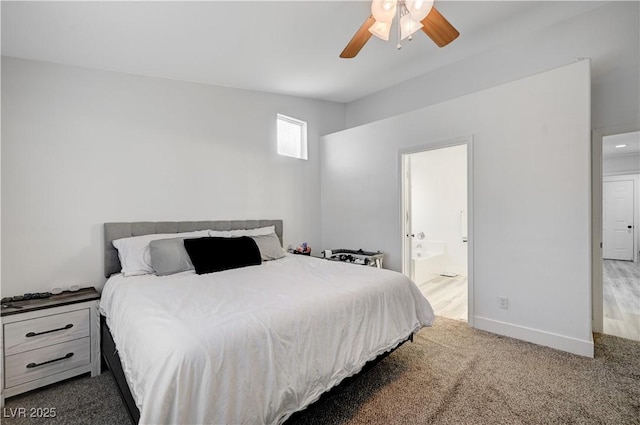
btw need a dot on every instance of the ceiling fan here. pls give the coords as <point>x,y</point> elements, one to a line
<point>413,15</point>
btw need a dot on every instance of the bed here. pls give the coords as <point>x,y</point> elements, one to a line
<point>249,344</point>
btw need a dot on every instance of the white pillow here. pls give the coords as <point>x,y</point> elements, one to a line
<point>259,231</point>
<point>134,255</point>
<point>269,246</point>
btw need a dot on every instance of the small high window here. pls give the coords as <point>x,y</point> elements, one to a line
<point>292,137</point>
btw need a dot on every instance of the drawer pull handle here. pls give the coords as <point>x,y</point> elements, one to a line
<point>30,334</point>
<point>32,365</point>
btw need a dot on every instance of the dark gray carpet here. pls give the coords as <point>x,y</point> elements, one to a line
<point>83,400</point>
<point>450,374</point>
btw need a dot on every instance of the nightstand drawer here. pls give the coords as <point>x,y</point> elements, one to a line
<point>47,330</point>
<point>36,364</point>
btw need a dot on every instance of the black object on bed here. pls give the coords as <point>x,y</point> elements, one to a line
<point>215,254</point>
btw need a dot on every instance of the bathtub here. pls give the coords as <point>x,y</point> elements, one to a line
<point>427,260</point>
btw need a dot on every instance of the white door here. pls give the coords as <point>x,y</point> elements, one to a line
<point>617,235</point>
<point>408,245</point>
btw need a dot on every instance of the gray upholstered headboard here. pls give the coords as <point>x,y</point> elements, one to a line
<point>113,231</point>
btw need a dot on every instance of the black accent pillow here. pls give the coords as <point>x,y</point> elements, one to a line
<point>213,254</point>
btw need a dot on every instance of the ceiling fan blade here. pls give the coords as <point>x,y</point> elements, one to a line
<point>438,28</point>
<point>358,40</point>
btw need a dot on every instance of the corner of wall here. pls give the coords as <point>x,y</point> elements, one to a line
<point>581,347</point>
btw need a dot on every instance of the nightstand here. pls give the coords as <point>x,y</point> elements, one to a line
<point>49,339</point>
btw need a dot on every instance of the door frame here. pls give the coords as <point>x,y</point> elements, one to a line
<point>597,302</point>
<point>403,155</point>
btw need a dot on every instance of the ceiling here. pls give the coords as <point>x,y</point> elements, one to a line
<point>286,47</point>
<point>628,144</point>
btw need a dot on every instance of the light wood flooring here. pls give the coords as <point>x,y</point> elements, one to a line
<point>621,298</point>
<point>447,295</point>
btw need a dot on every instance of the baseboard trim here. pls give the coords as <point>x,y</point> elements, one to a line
<point>548,339</point>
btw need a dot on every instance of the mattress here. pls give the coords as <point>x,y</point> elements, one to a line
<point>255,344</point>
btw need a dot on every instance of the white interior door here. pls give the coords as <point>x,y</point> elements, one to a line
<point>407,228</point>
<point>617,241</point>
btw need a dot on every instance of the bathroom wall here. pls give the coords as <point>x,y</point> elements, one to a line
<point>439,202</point>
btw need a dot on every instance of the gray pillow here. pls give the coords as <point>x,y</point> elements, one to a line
<point>269,246</point>
<point>168,256</point>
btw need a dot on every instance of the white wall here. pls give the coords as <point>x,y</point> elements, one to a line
<point>438,195</point>
<point>83,147</point>
<point>531,198</point>
<point>610,35</point>
<point>621,164</point>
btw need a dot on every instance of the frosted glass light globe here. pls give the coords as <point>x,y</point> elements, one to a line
<point>381,30</point>
<point>383,10</point>
<point>408,26</point>
<point>419,9</point>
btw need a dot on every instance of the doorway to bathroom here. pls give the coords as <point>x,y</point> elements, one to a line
<point>436,210</point>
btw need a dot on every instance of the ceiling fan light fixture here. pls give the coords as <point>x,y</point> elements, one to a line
<point>409,26</point>
<point>384,10</point>
<point>381,30</point>
<point>413,15</point>
<point>419,9</point>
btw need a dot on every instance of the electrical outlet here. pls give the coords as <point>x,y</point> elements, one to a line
<point>504,302</point>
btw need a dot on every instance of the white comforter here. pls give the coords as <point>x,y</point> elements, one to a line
<point>254,345</point>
